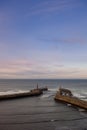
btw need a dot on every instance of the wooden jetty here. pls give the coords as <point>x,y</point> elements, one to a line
<point>66,96</point>
<point>33,92</point>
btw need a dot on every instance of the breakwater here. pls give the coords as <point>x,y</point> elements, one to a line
<point>34,92</point>
<point>64,95</point>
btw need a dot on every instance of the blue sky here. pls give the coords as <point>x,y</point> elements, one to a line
<point>43,39</point>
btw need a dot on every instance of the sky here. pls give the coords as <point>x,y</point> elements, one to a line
<point>43,39</point>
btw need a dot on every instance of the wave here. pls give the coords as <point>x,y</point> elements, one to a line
<point>45,96</point>
<point>76,93</point>
<point>80,95</point>
<point>49,93</point>
<point>53,90</point>
<point>10,92</point>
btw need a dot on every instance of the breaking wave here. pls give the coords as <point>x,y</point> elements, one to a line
<point>10,92</point>
<point>49,93</point>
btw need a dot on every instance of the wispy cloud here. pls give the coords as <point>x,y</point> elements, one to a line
<point>50,6</point>
<point>23,68</point>
<point>15,66</point>
<point>66,40</point>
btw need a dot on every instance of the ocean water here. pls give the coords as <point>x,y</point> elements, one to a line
<point>78,87</point>
<point>42,112</point>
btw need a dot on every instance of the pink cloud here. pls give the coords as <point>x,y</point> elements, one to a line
<point>15,66</point>
<point>23,68</point>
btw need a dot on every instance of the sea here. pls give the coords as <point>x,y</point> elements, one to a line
<point>42,112</point>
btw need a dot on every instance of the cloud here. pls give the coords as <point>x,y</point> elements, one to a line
<point>15,66</point>
<point>71,40</point>
<point>23,68</point>
<point>52,6</point>
<point>66,40</point>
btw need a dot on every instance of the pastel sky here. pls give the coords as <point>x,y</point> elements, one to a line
<point>43,39</point>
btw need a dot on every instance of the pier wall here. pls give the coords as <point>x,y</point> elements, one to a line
<point>34,92</point>
<point>71,100</point>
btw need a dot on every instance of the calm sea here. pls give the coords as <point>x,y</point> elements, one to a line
<point>42,112</point>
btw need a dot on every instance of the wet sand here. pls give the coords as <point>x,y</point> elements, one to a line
<point>38,113</point>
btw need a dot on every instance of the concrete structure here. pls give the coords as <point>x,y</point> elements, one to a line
<point>34,92</point>
<point>65,95</point>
